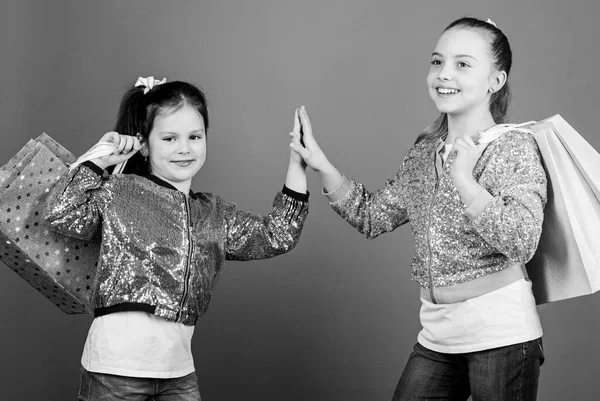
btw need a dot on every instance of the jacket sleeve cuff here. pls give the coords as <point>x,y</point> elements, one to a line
<point>478,204</point>
<point>295,195</point>
<point>340,191</point>
<point>94,167</point>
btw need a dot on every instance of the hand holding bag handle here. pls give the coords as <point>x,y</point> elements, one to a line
<point>99,150</point>
<point>567,261</point>
<point>60,268</point>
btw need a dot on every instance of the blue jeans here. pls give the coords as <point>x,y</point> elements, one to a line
<point>508,373</point>
<point>104,387</point>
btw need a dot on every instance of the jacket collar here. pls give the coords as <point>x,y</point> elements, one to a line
<point>441,142</point>
<point>167,185</point>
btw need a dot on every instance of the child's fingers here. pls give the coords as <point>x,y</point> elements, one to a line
<point>111,136</point>
<point>467,144</point>
<point>296,122</point>
<point>306,120</point>
<point>306,127</point>
<point>130,144</point>
<point>130,153</point>
<point>296,147</point>
<point>136,144</point>
<point>469,141</point>
<point>477,147</point>
<point>121,157</point>
<point>296,137</point>
<point>120,144</point>
<point>459,144</point>
<point>126,140</point>
<point>125,144</point>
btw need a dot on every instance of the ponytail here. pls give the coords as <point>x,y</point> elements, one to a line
<point>131,119</point>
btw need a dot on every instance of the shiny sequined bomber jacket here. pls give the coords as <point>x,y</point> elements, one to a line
<point>162,251</point>
<point>458,245</point>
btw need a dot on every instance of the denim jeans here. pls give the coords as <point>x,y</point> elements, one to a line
<point>508,373</point>
<point>104,387</point>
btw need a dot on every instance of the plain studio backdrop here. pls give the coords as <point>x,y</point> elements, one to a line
<point>337,317</point>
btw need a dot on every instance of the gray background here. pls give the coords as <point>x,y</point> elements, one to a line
<point>336,318</point>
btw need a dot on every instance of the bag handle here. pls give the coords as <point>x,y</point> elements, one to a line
<point>495,132</point>
<point>99,150</point>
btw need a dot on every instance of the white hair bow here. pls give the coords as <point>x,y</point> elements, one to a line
<point>489,21</point>
<point>149,83</point>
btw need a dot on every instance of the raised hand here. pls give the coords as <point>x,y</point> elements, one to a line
<point>296,173</point>
<point>296,136</point>
<point>125,147</point>
<point>310,151</point>
<point>461,171</point>
<point>467,154</point>
<point>307,147</point>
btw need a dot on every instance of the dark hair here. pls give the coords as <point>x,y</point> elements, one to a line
<point>502,56</point>
<point>138,111</point>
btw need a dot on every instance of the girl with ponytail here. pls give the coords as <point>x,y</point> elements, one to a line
<point>476,214</point>
<point>163,246</point>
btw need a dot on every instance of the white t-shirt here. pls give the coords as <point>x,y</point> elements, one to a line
<point>138,344</point>
<point>499,318</point>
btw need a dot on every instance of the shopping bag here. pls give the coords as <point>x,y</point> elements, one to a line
<point>22,157</point>
<point>60,268</point>
<point>567,261</point>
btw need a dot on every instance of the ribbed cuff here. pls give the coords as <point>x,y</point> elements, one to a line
<point>94,167</point>
<point>296,195</point>
<point>478,204</point>
<point>340,191</point>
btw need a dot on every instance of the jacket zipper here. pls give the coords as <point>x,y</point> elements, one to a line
<point>186,276</point>
<point>437,184</point>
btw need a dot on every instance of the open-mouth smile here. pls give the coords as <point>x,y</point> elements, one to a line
<point>446,91</point>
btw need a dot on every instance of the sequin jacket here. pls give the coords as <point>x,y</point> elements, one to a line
<point>453,246</point>
<point>161,252</point>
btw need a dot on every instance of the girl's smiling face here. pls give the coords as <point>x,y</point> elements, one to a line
<point>176,146</point>
<point>462,72</point>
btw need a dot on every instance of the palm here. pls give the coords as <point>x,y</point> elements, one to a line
<point>310,151</point>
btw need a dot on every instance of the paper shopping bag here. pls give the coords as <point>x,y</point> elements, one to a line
<point>567,261</point>
<point>59,267</point>
<point>23,156</point>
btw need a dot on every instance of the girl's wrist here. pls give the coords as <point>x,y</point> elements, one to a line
<point>296,177</point>
<point>323,167</point>
<point>98,162</point>
<point>464,180</point>
<point>297,164</point>
<point>330,177</point>
<point>467,187</point>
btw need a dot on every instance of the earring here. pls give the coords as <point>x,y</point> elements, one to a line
<point>492,90</point>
